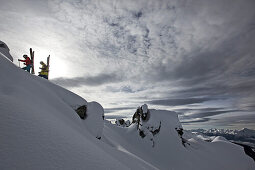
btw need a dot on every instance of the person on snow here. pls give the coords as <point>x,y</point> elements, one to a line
<point>44,70</point>
<point>27,62</point>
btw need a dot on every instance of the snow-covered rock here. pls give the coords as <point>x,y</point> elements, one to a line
<point>144,108</point>
<point>152,121</point>
<point>5,50</point>
<point>94,121</point>
<point>159,140</point>
<point>93,115</point>
<point>122,122</point>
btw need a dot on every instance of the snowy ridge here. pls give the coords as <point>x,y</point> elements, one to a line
<point>39,129</point>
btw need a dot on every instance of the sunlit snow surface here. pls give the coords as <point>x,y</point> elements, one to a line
<point>39,129</point>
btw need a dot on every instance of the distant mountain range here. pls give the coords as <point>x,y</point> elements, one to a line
<point>243,136</point>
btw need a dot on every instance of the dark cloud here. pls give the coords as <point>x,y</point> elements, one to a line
<point>200,120</point>
<point>220,69</point>
<point>196,116</point>
<point>97,80</point>
<point>209,65</point>
<point>201,117</point>
<point>178,102</point>
<point>237,120</point>
<point>199,110</point>
<point>203,90</point>
<point>208,114</point>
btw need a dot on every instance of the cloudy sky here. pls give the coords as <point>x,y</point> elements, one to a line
<point>195,57</point>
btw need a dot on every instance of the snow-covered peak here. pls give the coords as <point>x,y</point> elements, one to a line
<point>245,132</point>
<point>156,125</point>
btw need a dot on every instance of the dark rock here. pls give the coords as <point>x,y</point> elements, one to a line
<point>145,116</point>
<point>156,131</point>
<point>141,133</point>
<point>82,111</point>
<point>136,117</point>
<point>139,115</point>
<point>121,121</point>
<point>180,133</point>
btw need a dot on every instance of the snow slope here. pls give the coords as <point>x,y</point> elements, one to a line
<point>39,129</point>
<point>165,150</point>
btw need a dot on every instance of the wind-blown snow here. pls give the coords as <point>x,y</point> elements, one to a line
<point>39,129</point>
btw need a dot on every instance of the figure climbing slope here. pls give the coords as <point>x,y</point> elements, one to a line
<point>27,62</point>
<point>44,70</point>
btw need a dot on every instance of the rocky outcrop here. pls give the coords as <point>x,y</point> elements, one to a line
<point>150,123</point>
<point>139,118</point>
<point>122,122</point>
<point>93,115</point>
<point>142,113</point>
<point>82,111</point>
<point>180,133</point>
